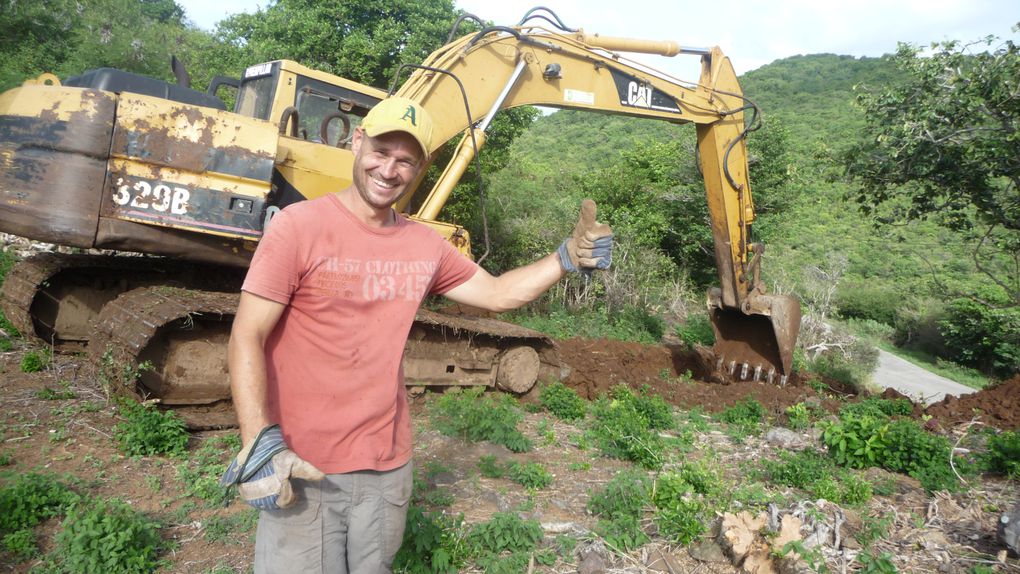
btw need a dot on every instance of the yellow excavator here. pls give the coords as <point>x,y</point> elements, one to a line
<point>177,190</point>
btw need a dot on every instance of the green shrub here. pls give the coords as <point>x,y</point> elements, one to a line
<point>919,454</point>
<point>622,531</point>
<point>627,493</point>
<point>1003,456</point>
<point>877,407</point>
<point>107,536</point>
<point>798,469</point>
<point>982,336</point>
<point>490,466</point>
<point>505,532</point>
<point>654,408</point>
<point>562,401</point>
<point>474,416</point>
<point>32,498</point>
<point>35,361</point>
<point>872,564</point>
<point>434,543</point>
<point>681,520</point>
<point>530,475</point>
<point>859,301</point>
<point>621,430</point>
<point>856,441</point>
<point>21,545</point>
<point>145,430</point>
<point>747,415</point>
<point>696,331</point>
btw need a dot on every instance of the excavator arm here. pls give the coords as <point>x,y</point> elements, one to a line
<point>467,81</point>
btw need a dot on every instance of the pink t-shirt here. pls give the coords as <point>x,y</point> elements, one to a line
<point>335,380</point>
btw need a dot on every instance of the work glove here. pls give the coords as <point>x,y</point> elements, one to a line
<point>590,246</point>
<point>263,469</point>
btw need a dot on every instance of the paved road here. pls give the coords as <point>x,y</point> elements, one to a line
<point>918,384</point>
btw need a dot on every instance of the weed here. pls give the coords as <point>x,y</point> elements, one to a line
<point>877,407</point>
<point>490,466</point>
<point>32,498</point>
<point>856,441</point>
<point>798,469</point>
<point>751,495</point>
<point>154,482</point>
<point>813,557</point>
<point>21,545</point>
<point>35,361</point>
<point>201,471</point>
<point>548,435</point>
<point>798,416</point>
<point>747,415</point>
<point>48,394</point>
<point>565,545</point>
<point>505,532</point>
<point>624,427</point>
<point>582,466</point>
<point>113,376</point>
<point>871,564</point>
<point>562,401</point>
<point>873,527</point>
<point>530,475</point>
<point>619,506</point>
<point>107,536</point>
<point>6,459</point>
<point>225,529</point>
<point>146,431</point>
<point>1003,456</point>
<point>475,417</point>
<point>439,497</point>
<point>681,520</point>
<point>696,331</point>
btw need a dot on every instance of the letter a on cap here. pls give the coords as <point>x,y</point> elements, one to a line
<point>410,113</point>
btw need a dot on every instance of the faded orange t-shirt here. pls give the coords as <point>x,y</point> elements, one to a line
<point>333,362</point>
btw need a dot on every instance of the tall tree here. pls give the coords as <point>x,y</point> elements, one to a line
<point>364,40</point>
<point>943,144</point>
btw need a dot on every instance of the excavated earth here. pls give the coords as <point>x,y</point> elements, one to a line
<point>75,437</point>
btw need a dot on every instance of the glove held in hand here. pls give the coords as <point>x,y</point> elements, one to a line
<point>263,470</point>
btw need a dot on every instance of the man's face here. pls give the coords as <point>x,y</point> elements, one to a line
<point>384,166</point>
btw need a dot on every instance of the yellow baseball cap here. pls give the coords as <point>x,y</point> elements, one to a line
<point>396,114</point>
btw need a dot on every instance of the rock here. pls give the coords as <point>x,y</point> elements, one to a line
<point>707,551</point>
<point>592,559</point>
<point>659,561</point>
<point>1009,529</point>
<point>785,439</point>
<point>737,533</point>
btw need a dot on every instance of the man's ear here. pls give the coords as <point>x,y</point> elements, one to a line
<point>356,139</point>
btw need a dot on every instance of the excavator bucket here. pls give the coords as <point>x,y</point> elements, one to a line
<point>757,346</point>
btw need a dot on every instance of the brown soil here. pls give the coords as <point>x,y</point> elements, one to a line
<point>998,406</point>
<point>76,438</point>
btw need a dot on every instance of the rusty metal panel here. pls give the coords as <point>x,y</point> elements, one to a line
<point>54,144</point>
<point>198,169</point>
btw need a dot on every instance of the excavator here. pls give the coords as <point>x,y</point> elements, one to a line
<point>165,194</point>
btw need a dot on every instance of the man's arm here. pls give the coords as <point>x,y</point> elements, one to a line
<point>511,289</point>
<point>255,319</point>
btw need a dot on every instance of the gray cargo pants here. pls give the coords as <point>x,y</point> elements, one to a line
<point>350,523</point>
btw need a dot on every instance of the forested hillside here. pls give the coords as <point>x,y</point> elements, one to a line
<point>947,285</point>
<point>905,281</point>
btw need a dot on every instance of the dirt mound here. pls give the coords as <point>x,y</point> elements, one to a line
<point>684,378</point>
<point>998,406</point>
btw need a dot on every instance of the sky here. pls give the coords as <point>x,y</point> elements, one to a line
<point>751,32</point>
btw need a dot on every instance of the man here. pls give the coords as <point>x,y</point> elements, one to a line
<point>315,351</point>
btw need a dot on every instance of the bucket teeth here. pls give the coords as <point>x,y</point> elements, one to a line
<point>782,381</point>
<point>757,373</point>
<point>771,376</point>
<point>733,367</point>
<point>743,371</point>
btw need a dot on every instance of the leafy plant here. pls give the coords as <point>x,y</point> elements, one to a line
<point>505,532</point>
<point>873,527</point>
<point>32,498</point>
<point>746,414</point>
<point>1003,456</point>
<point>35,361</point>
<point>619,506</point>
<point>871,564</point>
<point>201,470</point>
<point>562,401</point>
<point>530,475</point>
<point>473,416</point>
<point>621,431</point>
<point>681,520</point>
<point>798,416</point>
<point>231,529</point>
<point>877,408</point>
<point>108,536</point>
<point>48,394</point>
<point>490,466</point>
<point>21,544</point>
<point>696,331</point>
<point>856,441</point>
<point>145,430</point>
<point>434,543</point>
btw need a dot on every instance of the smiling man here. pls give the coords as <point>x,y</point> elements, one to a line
<point>316,347</point>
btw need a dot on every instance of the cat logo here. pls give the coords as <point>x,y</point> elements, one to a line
<point>639,96</point>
